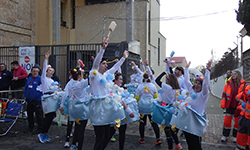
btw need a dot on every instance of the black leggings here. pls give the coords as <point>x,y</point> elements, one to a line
<point>143,122</point>
<point>193,141</point>
<point>69,129</point>
<point>169,134</point>
<point>47,122</point>
<point>122,131</point>
<point>102,136</point>
<point>79,133</point>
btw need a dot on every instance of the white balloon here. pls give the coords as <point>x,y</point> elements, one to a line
<point>189,99</point>
<point>107,100</point>
<point>107,85</point>
<point>184,93</point>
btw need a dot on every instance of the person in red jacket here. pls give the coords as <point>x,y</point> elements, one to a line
<point>230,103</point>
<point>19,79</point>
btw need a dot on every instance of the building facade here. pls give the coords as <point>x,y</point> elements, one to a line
<point>32,22</point>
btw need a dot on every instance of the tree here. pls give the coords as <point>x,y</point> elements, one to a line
<point>243,14</point>
<point>201,68</point>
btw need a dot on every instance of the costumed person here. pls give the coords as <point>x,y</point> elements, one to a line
<point>179,72</point>
<point>168,97</point>
<point>191,111</point>
<point>104,107</point>
<point>142,65</point>
<point>230,103</point>
<point>135,79</point>
<point>65,103</point>
<point>150,72</point>
<point>48,87</point>
<point>78,105</point>
<point>145,94</point>
<point>136,76</point>
<point>129,112</point>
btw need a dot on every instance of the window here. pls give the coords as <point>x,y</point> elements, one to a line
<point>92,2</point>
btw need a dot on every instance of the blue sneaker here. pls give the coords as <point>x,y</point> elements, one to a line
<point>47,138</point>
<point>41,138</point>
<point>73,147</point>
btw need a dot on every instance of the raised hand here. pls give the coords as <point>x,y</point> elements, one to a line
<point>116,60</point>
<point>47,54</point>
<point>187,66</point>
<point>93,58</point>
<point>209,64</point>
<point>133,63</point>
<point>146,62</point>
<point>105,42</point>
<point>125,54</point>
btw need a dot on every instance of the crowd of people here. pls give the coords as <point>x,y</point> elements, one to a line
<point>177,105</point>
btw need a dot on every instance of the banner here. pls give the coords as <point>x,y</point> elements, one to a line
<point>27,57</point>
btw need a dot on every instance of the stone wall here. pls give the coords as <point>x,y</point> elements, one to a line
<point>17,24</point>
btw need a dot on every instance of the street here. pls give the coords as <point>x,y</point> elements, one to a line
<point>27,141</point>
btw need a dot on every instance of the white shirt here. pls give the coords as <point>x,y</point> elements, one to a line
<point>182,83</point>
<point>199,104</point>
<point>96,88</point>
<point>75,90</point>
<point>146,90</point>
<point>168,95</point>
<point>46,82</point>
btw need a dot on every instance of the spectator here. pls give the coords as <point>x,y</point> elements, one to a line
<point>33,98</point>
<point>5,79</point>
<point>19,79</point>
<point>229,74</point>
<point>229,102</point>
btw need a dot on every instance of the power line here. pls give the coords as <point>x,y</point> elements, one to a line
<point>171,18</point>
<point>94,37</point>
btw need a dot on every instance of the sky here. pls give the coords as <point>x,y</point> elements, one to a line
<point>195,37</point>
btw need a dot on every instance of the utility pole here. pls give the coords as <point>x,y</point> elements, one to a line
<point>56,21</point>
<point>56,25</point>
<point>129,20</point>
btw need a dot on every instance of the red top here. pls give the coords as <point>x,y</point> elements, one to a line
<point>20,72</point>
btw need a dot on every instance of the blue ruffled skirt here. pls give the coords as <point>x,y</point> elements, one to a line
<point>51,103</point>
<point>145,105</point>
<point>105,110</point>
<point>78,109</point>
<point>162,114</point>
<point>190,121</point>
<point>132,104</point>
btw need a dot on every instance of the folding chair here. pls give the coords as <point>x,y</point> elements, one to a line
<point>11,115</point>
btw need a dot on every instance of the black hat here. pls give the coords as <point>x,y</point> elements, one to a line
<point>180,69</point>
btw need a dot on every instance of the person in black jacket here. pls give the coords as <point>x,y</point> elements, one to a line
<point>5,79</point>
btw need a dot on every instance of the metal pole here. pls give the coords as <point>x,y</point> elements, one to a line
<point>56,21</point>
<point>129,20</point>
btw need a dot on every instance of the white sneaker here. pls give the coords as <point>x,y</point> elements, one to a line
<point>66,145</point>
<point>234,139</point>
<point>223,139</point>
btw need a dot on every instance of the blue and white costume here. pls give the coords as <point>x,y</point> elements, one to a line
<point>163,114</point>
<point>50,102</point>
<point>78,99</point>
<point>104,107</point>
<point>146,92</point>
<point>192,119</point>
